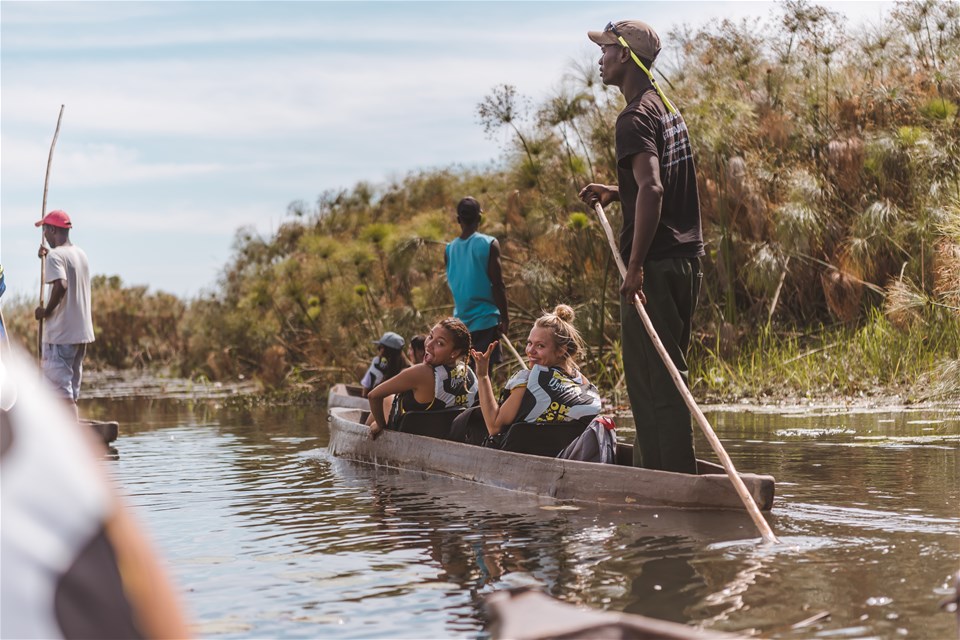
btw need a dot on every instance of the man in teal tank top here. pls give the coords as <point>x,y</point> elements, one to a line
<point>475,278</point>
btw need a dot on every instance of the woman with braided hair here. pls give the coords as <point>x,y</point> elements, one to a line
<point>442,381</point>
<point>553,390</point>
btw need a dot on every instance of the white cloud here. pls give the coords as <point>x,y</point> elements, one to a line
<point>90,165</point>
<point>51,14</point>
<point>112,26</point>
<point>266,96</point>
<point>177,215</point>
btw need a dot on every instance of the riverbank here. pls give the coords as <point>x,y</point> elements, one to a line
<point>106,385</point>
<point>885,361</point>
<point>880,361</point>
<point>135,383</point>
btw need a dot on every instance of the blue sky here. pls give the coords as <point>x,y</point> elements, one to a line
<point>187,120</point>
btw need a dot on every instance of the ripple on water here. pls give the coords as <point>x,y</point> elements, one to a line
<point>824,432</point>
<point>853,518</point>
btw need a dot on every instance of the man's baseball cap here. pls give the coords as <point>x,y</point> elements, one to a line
<point>641,37</point>
<point>391,340</point>
<point>56,218</point>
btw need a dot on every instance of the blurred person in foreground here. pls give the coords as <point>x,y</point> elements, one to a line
<point>3,287</point>
<point>75,564</point>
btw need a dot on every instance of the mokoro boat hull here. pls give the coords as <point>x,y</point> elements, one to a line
<point>585,482</point>
<point>527,614</point>
<point>105,431</point>
<point>343,395</point>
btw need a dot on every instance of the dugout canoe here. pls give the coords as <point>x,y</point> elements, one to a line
<point>347,395</point>
<point>526,613</point>
<point>105,431</point>
<point>569,480</point>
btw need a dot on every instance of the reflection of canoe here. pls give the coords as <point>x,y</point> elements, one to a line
<point>105,431</point>
<point>346,395</point>
<point>526,614</point>
<point>618,485</point>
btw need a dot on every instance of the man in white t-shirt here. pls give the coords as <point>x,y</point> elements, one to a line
<point>69,323</point>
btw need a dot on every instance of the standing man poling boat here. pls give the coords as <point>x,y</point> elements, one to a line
<point>475,278</point>
<point>661,241</point>
<point>69,320</point>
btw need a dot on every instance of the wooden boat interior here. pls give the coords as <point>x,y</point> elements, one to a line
<point>433,424</point>
<point>470,429</point>
<point>354,390</point>
<point>539,439</point>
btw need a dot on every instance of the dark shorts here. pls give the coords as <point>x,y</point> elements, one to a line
<point>482,339</point>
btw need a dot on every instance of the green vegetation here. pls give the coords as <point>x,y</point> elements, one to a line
<point>829,169</point>
<point>867,360</point>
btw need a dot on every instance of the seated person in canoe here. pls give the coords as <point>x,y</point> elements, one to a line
<point>552,390</point>
<point>442,381</point>
<point>416,348</point>
<point>388,362</point>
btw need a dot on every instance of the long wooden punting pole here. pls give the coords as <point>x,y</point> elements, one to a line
<point>509,345</point>
<point>43,213</point>
<point>765,531</point>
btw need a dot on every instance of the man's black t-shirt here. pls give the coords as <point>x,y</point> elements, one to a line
<point>646,126</point>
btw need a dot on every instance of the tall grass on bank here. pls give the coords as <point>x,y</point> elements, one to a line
<point>914,357</point>
<point>917,363</point>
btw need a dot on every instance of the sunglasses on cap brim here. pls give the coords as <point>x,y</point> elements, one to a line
<point>612,28</point>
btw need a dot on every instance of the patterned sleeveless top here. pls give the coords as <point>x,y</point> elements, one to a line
<point>452,387</point>
<point>552,395</point>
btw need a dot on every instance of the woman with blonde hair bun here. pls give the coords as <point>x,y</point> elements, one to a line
<point>553,390</point>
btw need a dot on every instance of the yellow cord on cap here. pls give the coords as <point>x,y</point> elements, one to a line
<point>656,86</point>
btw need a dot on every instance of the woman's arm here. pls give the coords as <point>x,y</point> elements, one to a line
<point>507,413</point>
<point>488,403</point>
<point>495,417</point>
<point>416,378</point>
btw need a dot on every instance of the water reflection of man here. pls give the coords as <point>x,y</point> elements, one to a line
<point>483,548</point>
<point>667,585</point>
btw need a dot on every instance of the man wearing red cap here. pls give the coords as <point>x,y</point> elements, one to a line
<point>68,327</point>
<point>661,241</point>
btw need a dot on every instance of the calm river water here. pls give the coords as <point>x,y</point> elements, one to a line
<point>268,536</point>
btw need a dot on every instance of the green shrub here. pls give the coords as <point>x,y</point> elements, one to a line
<point>939,109</point>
